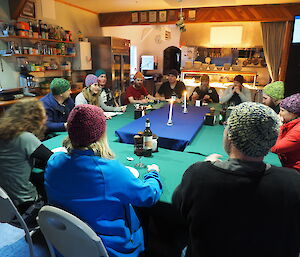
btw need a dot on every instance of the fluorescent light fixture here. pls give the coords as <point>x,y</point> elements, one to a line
<point>226,35</point>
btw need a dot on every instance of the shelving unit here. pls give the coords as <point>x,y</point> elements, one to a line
<point>35,39</point>
<point>220,79</point>
<point>37,55</point>
<point>30,42</point>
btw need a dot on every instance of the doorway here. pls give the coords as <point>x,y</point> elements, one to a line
<point>172,59</point>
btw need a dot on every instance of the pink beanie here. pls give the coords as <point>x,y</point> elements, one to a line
<point>90,80</point>
<point>86,124</point>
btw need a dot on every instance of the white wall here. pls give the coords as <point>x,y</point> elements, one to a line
<point>69,18</point>
<point>143,37</point>
<point>198,34</point>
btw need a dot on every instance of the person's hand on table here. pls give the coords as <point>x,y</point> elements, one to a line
<point>153,167</point>
<point>206,97</point>
<point>107,118</point>
<point>66,124</point>
<point>213,157</point>
<point>123,108</point>
<point>143,101</point>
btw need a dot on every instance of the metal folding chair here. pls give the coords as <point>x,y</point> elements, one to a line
<point>68,234</point>
<point>8,212</point>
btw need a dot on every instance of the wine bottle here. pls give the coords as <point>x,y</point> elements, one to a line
<point>147,139</point>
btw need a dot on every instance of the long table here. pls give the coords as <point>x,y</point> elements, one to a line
<point>172,163</point>
<point>176,137</point>
<point>209,140</point>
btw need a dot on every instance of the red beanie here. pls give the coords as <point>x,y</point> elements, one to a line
<point>86,124</point>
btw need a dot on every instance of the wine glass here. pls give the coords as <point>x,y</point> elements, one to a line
<point>139,151</point>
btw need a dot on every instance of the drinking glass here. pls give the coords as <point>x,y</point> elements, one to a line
<point>139,151</point>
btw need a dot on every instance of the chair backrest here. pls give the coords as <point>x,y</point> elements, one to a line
<point>8,212</point>
<point>68,234</point>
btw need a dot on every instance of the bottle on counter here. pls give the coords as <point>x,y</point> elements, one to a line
<point>46,31</point>
<point>39,28</point>
<point>147,139</point>
<point>30,33</point>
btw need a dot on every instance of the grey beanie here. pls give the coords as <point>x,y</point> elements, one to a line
<point>253,128</point>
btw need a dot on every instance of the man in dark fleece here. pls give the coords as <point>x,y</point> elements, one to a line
<point>242,207</point>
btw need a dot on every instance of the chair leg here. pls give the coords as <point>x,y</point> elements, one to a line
<point>27,234</point>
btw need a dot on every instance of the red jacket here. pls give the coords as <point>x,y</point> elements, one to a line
<point>288,144</point>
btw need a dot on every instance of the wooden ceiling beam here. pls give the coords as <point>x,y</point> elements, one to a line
<point>262,13</point>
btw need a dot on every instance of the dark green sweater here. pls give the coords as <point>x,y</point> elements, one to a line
<point>240,210</point>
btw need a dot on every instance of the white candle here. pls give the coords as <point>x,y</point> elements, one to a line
<point>171,110</point>
<point>184,95</point>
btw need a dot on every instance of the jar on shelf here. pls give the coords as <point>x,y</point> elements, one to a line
<point>53,64</point>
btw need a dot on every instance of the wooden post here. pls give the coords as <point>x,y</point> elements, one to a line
<point>16,8</point>
<point>285,50</point>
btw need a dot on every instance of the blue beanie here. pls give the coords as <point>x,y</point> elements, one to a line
<point>99,72</point>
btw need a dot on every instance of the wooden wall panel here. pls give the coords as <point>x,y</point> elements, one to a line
<point>264,13</point>
<point>16,7</point>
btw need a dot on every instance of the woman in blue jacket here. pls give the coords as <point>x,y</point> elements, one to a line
<point>87,182</point>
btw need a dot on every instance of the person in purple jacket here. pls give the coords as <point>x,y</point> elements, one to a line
<point>58,105</point>
<point>89,183</point>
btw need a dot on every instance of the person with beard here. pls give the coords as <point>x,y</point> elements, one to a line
<point>172,87</point>
<point>288,143</point>
<point>58,105</point>
<point>137,93</point>
<point>106,100</point>
<point>20,151</point>
<point>237,93</point>
<point>242,206</point>
<point>205,93</point>
<point>273,93</point>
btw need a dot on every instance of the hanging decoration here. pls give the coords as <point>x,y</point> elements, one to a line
<point>180,23</point>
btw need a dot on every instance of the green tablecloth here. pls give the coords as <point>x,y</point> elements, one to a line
<point>209,140</point>
<point>172,163</point>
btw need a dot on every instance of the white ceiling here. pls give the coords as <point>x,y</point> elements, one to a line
<point>102,6</point>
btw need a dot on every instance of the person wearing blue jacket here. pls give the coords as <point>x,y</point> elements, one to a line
<point>58,105</point>
<point>90,184</point>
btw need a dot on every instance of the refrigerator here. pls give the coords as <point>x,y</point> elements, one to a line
<point>112,55</point>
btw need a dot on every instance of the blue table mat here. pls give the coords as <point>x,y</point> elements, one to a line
<point>176,137</point>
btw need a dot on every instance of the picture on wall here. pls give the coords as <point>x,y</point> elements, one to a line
<point>29,10</point>
<point>162,16</point>
<point>172,15</point>
<point>192,15</point>
<point>134,17</point>
<point>152,16</point>
<point>143,17</point>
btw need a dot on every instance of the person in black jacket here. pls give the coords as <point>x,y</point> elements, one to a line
<point>171,88</point>
<point>242,207</point>
<point>205,93</point>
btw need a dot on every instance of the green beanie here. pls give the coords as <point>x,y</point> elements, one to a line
<point>59,86</point>
<point>275,90</point>
<point>99,72</point>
